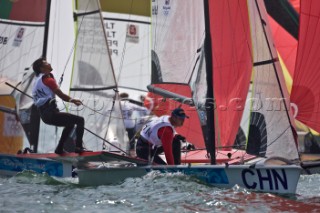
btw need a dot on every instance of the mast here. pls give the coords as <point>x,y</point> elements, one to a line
<point>210,135</point>
<point>35,116</point>
<point>46,29</point>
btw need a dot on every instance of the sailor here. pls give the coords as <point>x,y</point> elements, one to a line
<point>44,91</point>
<point>130,122</point>
<point>158,136</point>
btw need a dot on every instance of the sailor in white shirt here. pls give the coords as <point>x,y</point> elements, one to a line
<point>132,113</point>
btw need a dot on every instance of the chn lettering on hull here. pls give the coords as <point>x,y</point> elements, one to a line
<point>261,179</point>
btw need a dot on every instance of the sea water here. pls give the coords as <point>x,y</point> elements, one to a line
<point>31,192</point>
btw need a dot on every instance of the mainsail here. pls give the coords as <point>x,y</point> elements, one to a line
<point>22,38</point>
<point>128,28</point>
<point>93,80</point>
<point>271,99</point>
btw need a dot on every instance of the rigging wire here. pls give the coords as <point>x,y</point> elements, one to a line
<point>80,26</point>
<point>71,51</point>
<point>106,141</point>
<point>124,47</point>
<point>73,46</point>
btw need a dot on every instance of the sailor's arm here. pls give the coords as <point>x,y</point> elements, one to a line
<point>166,135</point>
<point>66,97</point>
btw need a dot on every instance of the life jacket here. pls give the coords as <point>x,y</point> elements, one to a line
<point>150,131</point>
<point>40,92</point>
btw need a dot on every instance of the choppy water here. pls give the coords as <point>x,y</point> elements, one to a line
<point>29,192</point>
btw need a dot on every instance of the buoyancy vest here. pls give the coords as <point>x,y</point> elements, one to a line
<point>40,92</point>
<point>150,130</point>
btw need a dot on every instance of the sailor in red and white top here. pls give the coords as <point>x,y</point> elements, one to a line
<point>44,91</point>
<point>159,135</point>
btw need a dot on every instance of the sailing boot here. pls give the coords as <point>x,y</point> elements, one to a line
<point>59,150</point>
<point>80,149</point>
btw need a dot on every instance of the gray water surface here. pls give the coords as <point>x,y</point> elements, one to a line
<point>30,192</point>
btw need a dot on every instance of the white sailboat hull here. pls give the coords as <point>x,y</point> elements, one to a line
<point>264,178</point>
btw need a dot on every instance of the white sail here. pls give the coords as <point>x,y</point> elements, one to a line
<point>177,35</point>
<point>129,44</point>
<point>93,80</point>
<point>270,115</point>
<point>21,41</point>
<point>177,41</point>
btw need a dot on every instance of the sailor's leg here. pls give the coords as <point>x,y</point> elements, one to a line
<point>68,121</point>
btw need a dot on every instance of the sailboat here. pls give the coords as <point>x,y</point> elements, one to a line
<point>204,51</point>
<point>25,37</point>
<point>230,77</point>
